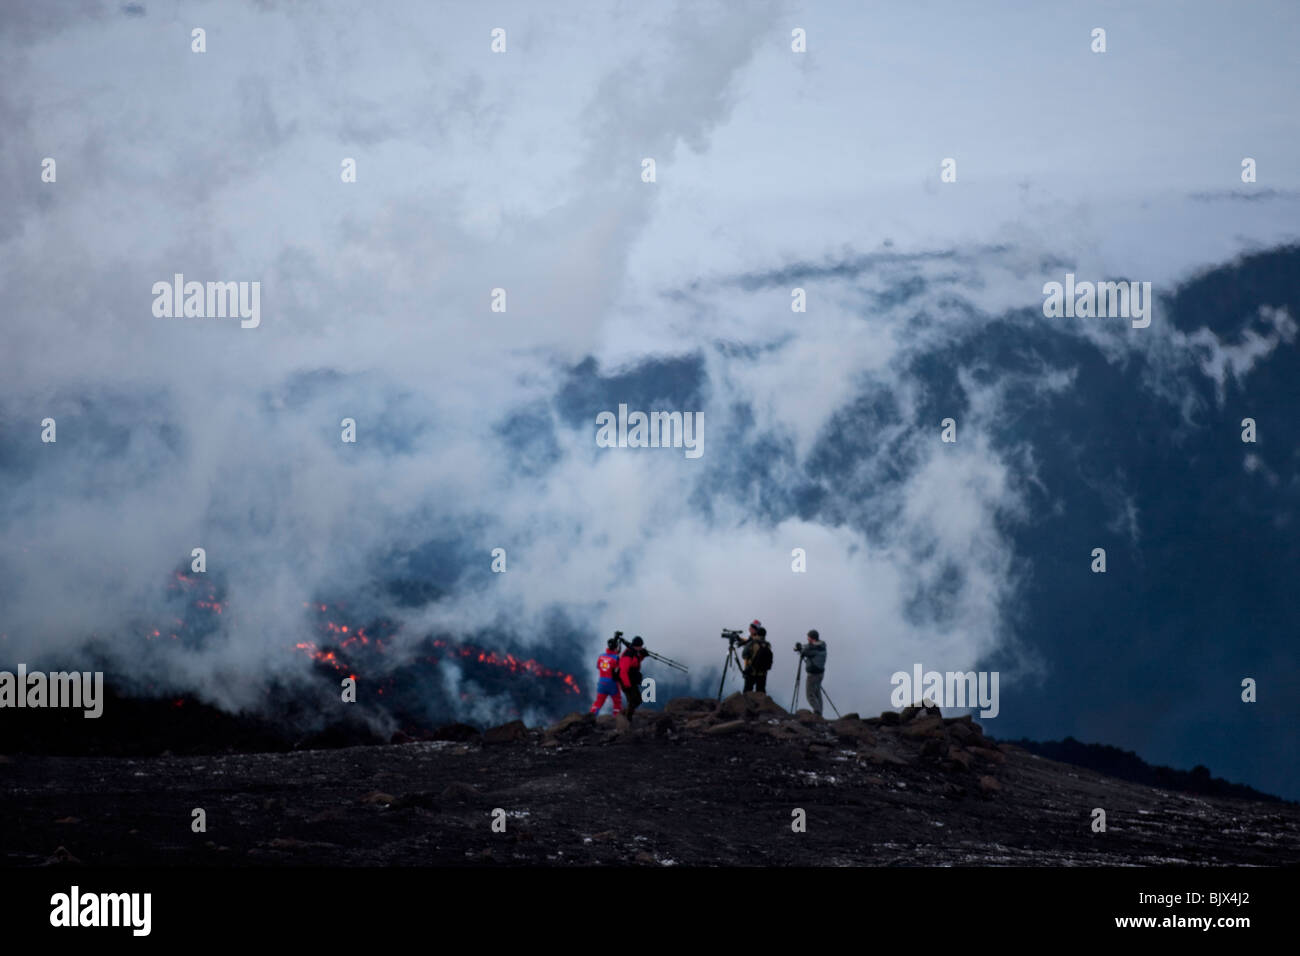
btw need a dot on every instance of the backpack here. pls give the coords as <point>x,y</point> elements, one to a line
<point>763,658</point>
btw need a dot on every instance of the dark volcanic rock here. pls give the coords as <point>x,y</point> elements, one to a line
<point>421,799</point>
<point>932,747</point>
<point>728,727</point>
<point>682,705</point>
<point>458,732</point>
<point>789,730</point>
<point>459,792</point>
<point>851,728</point>
<point>987,753</point>
<point>925,727</point>
<point>959,759</point>
<point>574,725</point>
<point>663,725</point>
<point>61,857</point>
<point>338,735</point>
<point>749,705</point>
<point>673,792</point>
<point>1126,765</point>
<point>510,733</point>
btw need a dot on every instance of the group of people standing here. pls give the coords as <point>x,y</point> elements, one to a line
<point>619,674</point>
<point>757,659</point>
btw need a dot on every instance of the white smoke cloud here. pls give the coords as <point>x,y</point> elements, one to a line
<point>477,171</point>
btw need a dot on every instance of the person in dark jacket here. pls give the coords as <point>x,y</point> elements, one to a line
<point>744,642</point>
<point>814,657</point>
<point>757,656</point>
<point>630,673</point>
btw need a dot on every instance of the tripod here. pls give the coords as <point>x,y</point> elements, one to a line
<point>653,656</point>
<point>797,672</point>
<point>731,659</point>
<point>831,702</point>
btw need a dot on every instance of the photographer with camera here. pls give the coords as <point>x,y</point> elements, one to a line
<point>757,656</point>
<point>630,672</point>
<point>814,655</point>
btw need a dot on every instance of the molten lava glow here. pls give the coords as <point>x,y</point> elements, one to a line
<point>511,663</point>
<point>351,637</point>
<point>338,639</point>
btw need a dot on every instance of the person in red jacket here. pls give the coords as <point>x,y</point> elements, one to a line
<point>607,678</point>
<point>629,673</point>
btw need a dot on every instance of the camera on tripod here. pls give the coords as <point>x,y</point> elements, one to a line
<point>731,636</point>
<point>798,648</point>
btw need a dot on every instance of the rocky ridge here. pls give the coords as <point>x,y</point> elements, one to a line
<point>696,783</point>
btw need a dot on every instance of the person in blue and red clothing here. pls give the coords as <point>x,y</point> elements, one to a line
<point>607,678</point>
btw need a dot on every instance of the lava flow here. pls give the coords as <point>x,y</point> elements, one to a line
<point>434,678</point>
<point>348,643</point>
<point>348,649</point>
